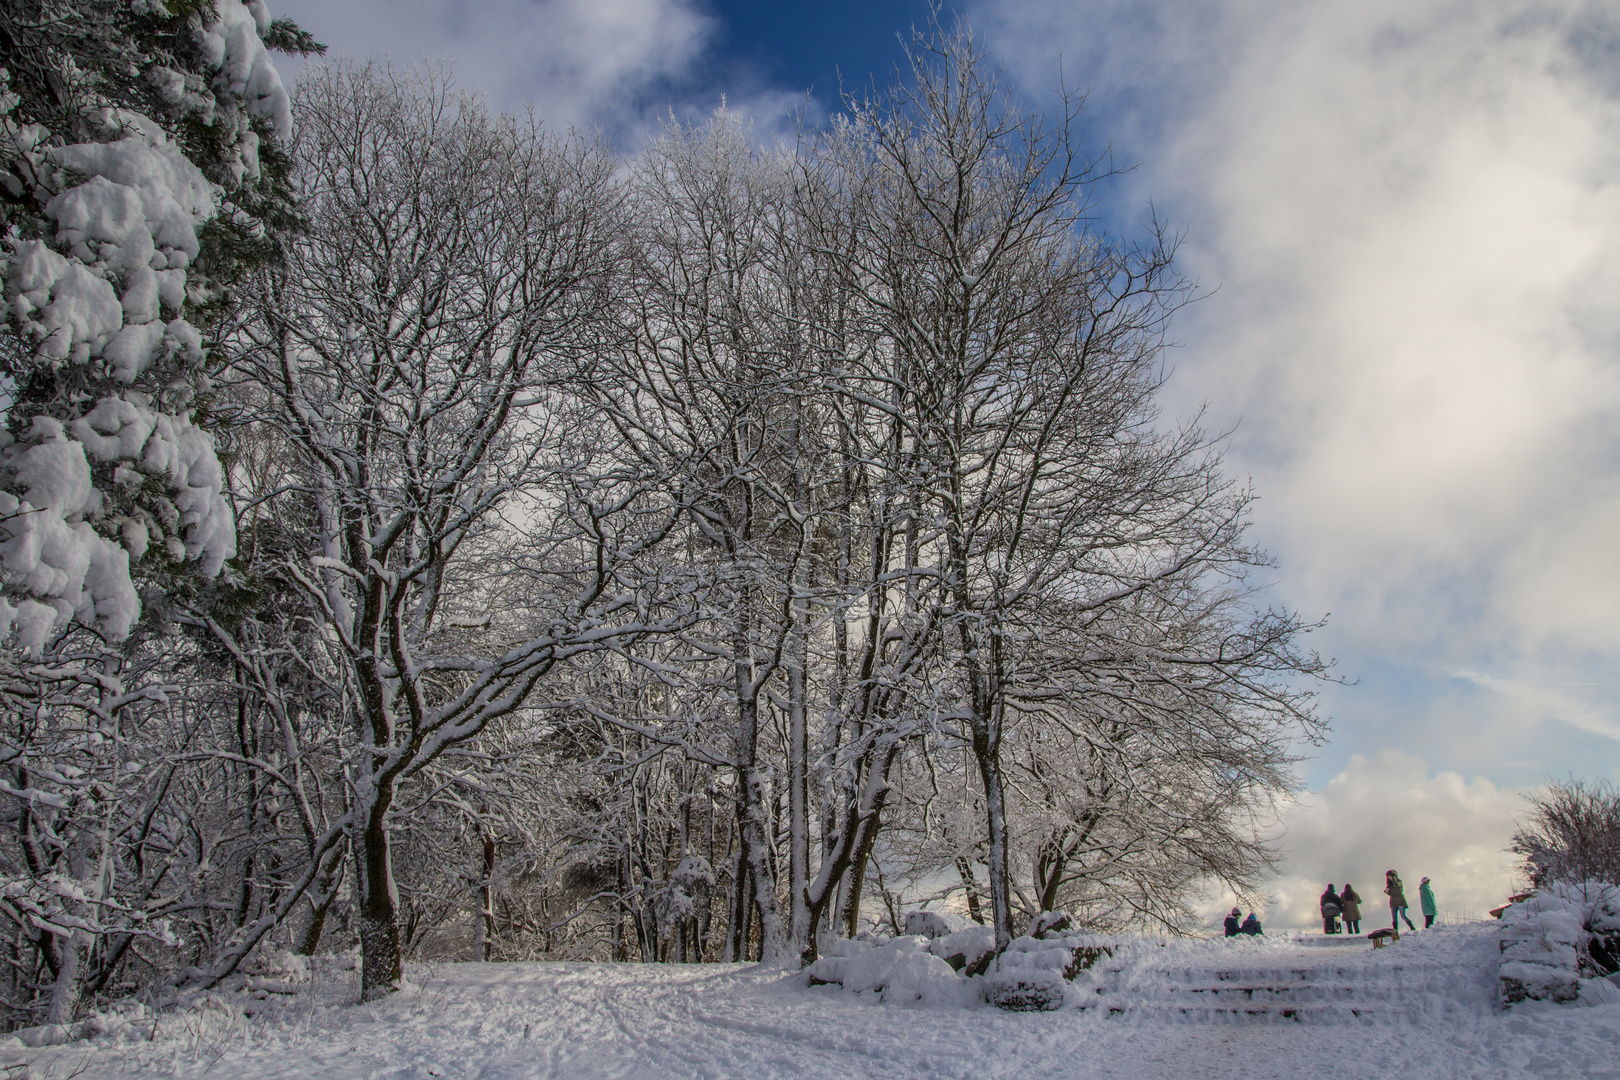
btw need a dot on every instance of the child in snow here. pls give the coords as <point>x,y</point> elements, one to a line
<point>1232,923</point>
<point>1426,901</point>
<point>1352,909</point>
<point>1397,901</point>
<point>1331,907</point>
<point>1251,926</point>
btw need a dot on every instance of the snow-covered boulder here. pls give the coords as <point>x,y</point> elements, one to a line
<point>1050,924</point>
<point>1032,975</point>
<point>934,924</point>
<point>1558,941</point>
<point>961,967</point>
<point>969,950</point>
<point>901,969</point>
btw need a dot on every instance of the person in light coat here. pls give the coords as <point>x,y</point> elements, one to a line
<point>1426,902</point>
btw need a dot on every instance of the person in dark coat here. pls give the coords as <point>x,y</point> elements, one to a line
<point>1251,926</point>
<point>1232,926</point>
<point>1331,906</point>
<point>1397,901</point>
<point>1351,903</point>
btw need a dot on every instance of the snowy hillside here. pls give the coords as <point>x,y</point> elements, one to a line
<point>1275,1007</point>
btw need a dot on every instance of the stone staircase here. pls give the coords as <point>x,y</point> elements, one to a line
<point>1311,986</point>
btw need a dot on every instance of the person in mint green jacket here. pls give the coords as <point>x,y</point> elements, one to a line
<point>1426,900</point>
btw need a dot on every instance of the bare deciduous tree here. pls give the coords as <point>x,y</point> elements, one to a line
<point>416,346</point>
<point>1573,834</point>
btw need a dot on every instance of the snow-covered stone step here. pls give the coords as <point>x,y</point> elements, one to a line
<point>1289,974</point>
<point>1371,995</point>
<point>1255,1013</point>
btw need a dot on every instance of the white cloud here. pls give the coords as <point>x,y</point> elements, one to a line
<point>1533,698</point>
<point>575,61</point>
<point>1390,813</point>
<point>1412,211</point>
<point>1437,206</point>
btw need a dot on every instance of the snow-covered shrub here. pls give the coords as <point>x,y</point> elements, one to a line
<point>268,962</point>
<point>1557,940</point>
<point>130,150</point>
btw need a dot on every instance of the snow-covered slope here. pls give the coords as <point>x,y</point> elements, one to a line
<point>1430,1012</point>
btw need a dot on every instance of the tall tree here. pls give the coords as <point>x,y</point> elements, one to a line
<point>1020,351</point>
<point>415,347</point>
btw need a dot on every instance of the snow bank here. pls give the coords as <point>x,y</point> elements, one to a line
<point>1561,944</point>
<point>1437,1018</point>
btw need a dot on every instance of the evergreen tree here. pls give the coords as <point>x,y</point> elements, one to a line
<point>140,175</point>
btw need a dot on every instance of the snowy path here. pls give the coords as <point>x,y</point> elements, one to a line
<point>542,1021</point>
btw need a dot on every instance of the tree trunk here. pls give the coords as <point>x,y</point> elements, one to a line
<point>971,888</point>
<point>320,904</point>
<point>737,910</point>
<point>65,990</point>
<point>753,833</point>
<point>381,965</point>
<point>798,787</point>
<point>987,752</point>
<point>486,893</point>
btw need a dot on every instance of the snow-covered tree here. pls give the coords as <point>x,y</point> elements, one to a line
<point>137,158</point>
<point>139,176</point>
<point>472,531</point>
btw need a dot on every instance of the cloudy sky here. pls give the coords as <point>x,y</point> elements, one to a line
<point>1406,215</point>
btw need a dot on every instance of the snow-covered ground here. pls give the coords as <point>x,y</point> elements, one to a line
<point>1275,1007</point>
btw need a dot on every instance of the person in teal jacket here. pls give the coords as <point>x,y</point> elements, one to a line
<point>1426,900</point>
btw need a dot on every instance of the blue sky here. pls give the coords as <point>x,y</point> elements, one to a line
<point>1408,214</point>
<point>809,46</point>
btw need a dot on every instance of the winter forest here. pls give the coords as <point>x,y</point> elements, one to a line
<point>430,532</point>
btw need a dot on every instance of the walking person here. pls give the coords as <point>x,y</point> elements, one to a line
<point>1426,902</point>
<point>1331,906</point>
<point>1352,909</point>
<point>1232,924</point>
<point>1251,926</point>
<point>1397,901</point>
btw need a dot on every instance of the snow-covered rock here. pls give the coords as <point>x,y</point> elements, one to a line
<point>1558,941</point>
<point>902,969</point>
<point>962,966</point>
<point>934,924</point>
<point>968,951</point>
<point>1034,972</point>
